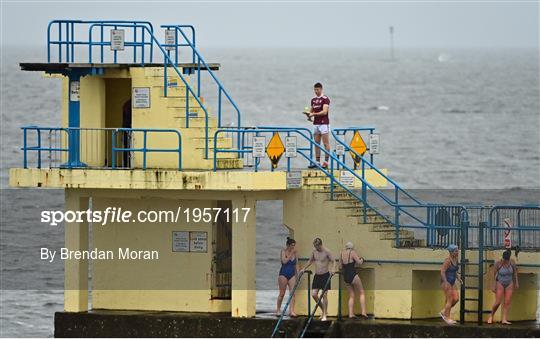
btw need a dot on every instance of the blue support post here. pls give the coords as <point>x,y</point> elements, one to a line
<point>364,191</point>
<point>396,216</point>
<point>74,124</point>
<point>25,146</point>
<point>113,148</point>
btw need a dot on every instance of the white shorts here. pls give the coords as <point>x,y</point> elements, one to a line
<point>321,129</point>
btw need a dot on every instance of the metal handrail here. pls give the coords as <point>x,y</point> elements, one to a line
<point>291,295</point>
<point>70,41</point>
<point>221,88</point>
<point>68,130</point>
<point>145,27</point>
<point>312,314</point>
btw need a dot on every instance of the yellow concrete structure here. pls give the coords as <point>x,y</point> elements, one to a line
<point>400,283</point>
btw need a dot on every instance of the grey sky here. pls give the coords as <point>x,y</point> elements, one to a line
<point>275,24</point>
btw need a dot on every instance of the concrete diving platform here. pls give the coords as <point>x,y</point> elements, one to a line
<point>99,323</point>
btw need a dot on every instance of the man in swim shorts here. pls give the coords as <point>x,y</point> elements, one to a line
<point>324,270</point>
<point>320,105</point>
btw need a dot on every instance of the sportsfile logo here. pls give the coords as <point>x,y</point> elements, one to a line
<point>120,215</point>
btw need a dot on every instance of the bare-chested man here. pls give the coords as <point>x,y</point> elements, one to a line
<point>324,269</point>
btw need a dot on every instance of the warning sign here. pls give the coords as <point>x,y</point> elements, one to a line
<point>141,97</point>
<point>117,39</point>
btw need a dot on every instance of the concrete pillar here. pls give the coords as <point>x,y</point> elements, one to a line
<point>76,271</point>
<point>243,259</point>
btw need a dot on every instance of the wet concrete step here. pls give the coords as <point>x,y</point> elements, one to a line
<point>410,243</point>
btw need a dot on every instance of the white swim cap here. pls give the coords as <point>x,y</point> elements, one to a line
<point>349,245</point>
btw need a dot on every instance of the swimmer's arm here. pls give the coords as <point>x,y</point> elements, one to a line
<point>444,267</point>
<point>516,281</point>
<point>332,260</point>
<point>494,280</point>
<point>284,258</point>
<point>357,258</point>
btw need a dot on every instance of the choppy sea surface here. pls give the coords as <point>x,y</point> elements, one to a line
<point>469,120</point>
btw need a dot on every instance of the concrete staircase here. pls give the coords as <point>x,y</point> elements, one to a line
<point>343,200</point>
<point>172,114</point>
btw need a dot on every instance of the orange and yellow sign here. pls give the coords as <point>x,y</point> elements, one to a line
<point>359,146</point>
<point>275,149</point>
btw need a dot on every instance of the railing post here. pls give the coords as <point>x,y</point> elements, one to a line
<point>113,149</point>
<point>396,215</point>
<point>309,292</point>
<point>144,148</point>
<point>331,178</point>
<point>364,191</point>
<point>219,108</point>
<point>339,296</point>
<point>165,82</point>
<point>187,107</point>
<point>25,146</point>
<point>480,310</point>
<point>101,44</point>
<point>39,147</point>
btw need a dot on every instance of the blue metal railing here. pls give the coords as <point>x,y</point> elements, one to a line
<point>67,43</point>
<point>199,60</point>
<point>98,145</point>
<point>317,304</point>
<point>291,295</point>
<point>145,38</point>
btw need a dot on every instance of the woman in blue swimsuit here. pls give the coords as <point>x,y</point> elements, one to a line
<point>505,280</point>
<point>287,274</point>
<point>449,275</point>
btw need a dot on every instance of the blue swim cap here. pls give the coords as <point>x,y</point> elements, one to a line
<point>451,248</point>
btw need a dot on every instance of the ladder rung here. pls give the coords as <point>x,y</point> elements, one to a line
<point>471,275</point>
<point>471,299</point>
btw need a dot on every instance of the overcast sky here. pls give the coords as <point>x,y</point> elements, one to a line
<point>302,24</point>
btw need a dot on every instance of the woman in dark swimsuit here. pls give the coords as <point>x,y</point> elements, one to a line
<point>287,274</point>
<point>348,259</point>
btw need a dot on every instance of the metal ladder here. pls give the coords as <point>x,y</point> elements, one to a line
<point>472,281</point>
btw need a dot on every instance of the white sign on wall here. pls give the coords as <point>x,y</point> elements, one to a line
<point>294,179</point>
<point>170,39</point>
<point>75,91</point>
<point>117,39</point>
<point>346,178</point>
<point>290,147</point>
<point>141,97</point>
<point>198,241</point>
<point>259,145</point>
<point>180,241</point>
<point>374,143</point>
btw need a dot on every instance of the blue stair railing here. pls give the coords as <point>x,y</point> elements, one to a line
<point>317,304</point>
<point>143,37</point>
<point>291,295</point>
<point>51,144</point>
<point>200,62</point>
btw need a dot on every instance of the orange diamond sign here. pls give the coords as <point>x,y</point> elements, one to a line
<point>358,145</point>
<point>275,149</point>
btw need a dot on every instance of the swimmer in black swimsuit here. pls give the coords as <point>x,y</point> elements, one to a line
<point>348,259</point>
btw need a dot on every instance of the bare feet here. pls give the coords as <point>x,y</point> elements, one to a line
<point>352,316</point>
<point>364,316</point>
<point>323,317</point>
<point>490,320</point>
<point>292,315</point>
<point>278,314</point>
<point>506,322</point>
